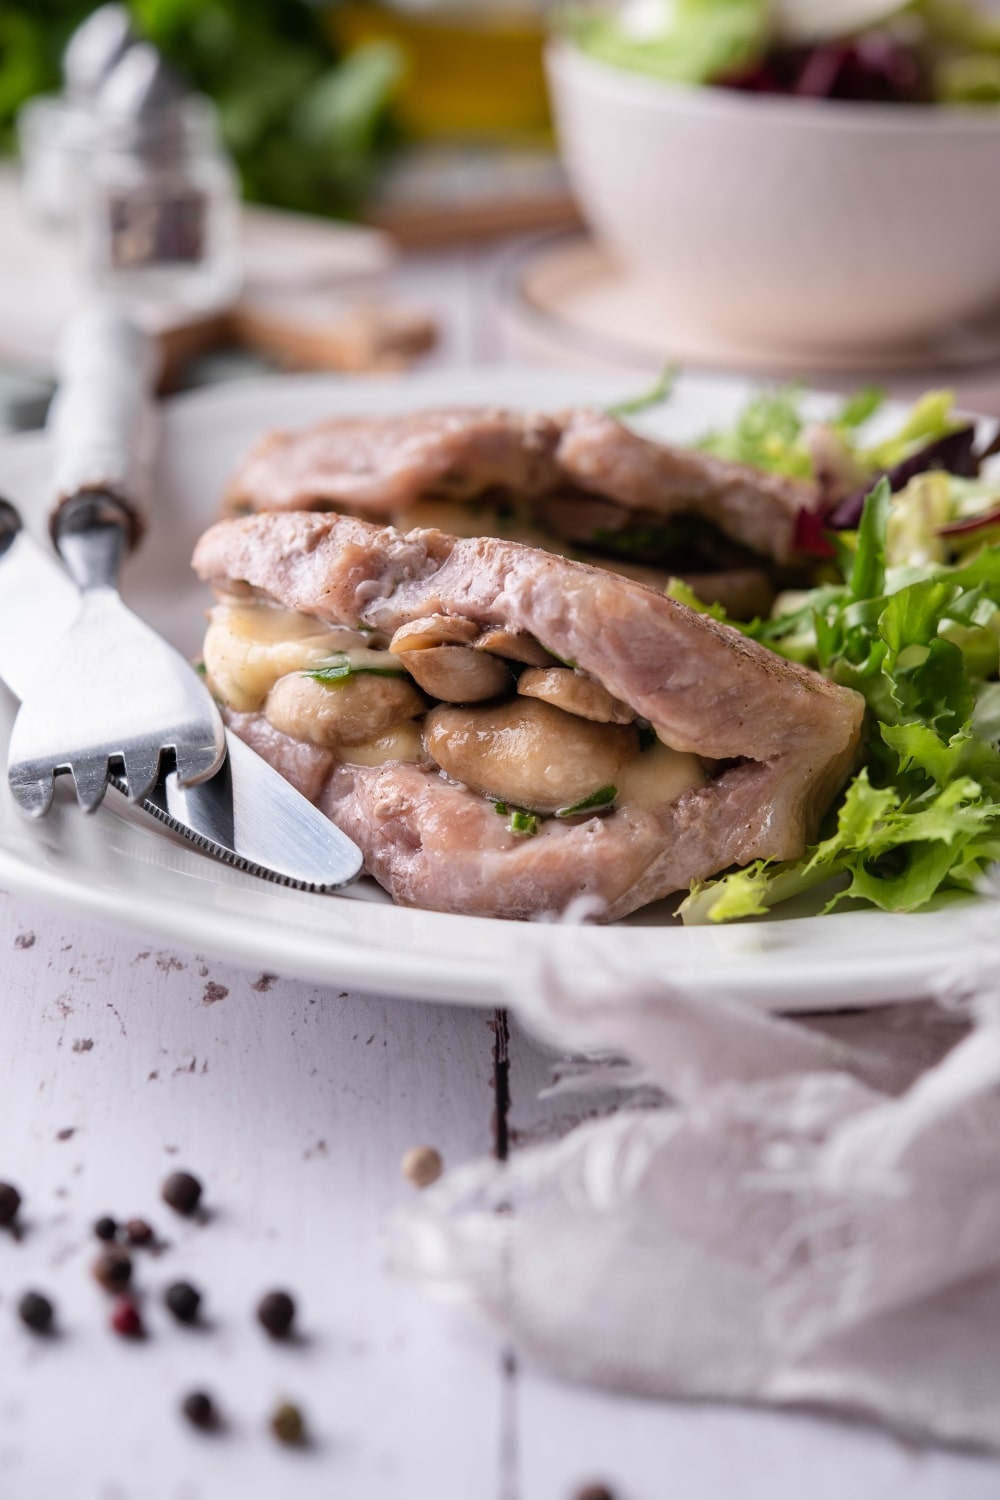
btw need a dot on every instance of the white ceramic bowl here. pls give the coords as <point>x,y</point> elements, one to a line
<point>784,224</point>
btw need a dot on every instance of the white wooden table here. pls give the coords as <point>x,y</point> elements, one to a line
<point>120,1062</point>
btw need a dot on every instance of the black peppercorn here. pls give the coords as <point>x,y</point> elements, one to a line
<point>138,1232</point>
<point>275,1312</point>
<point>35,1312</point>
<point>10,1202</point>
<point>105,1227</point>
<point>199,1408</point>
<point>183,1300</point>
<point>287,1424</point>
<point>113,1269</point>
<point>182,1192</point>
<point>595,1492</point>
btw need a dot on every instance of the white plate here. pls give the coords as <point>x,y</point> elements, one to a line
<point>117,869</point>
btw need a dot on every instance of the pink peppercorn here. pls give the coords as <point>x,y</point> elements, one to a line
<point>125,1318</point>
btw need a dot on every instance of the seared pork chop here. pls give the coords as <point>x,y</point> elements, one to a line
<point>378,465</point>
<point>521,680</point>
<point>382,466</point>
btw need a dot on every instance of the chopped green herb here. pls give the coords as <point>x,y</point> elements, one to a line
<point>523,822</point>
<point>603,798</point>
<point>501,809</point>
<point>339,670</point>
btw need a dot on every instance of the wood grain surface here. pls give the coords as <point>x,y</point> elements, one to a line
<point>119,1063</point>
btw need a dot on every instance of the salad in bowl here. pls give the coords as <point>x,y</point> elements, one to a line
<point>806,181</point>
<point>867,51</point>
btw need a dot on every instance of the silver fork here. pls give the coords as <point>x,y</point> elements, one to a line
<point>118,696</point>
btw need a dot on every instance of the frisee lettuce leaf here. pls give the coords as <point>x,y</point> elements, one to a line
<point>767,434</point>
<point>771,433</point>
<point>932,417</point>
<point>923,815</point>
<point>684,41</point>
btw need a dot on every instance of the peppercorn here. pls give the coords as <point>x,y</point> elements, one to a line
<point>35,1312</point>
<point>275,1312</point>
<point>10,1202</point>
<point>182,1192</point>
<point>595,1492</point>
<point>288,1424</point>
<point>125,1318</point>
<point>113,1269</point>
<point>199,1408</point>
<point>105,1227</point>
<point>138,1232</point>
<point>183,1300</point>
<point>422,1165</point>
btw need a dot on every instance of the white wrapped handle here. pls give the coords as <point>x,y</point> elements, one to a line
<point>102,420</point>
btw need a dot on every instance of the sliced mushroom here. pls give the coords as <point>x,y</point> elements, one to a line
<point>352,711</point>
<point>576,694</point>
<point>515,646</point>
<point>529,753</point>
<point>434,630</point>
<point>457,674</point>
<point>249,646</point>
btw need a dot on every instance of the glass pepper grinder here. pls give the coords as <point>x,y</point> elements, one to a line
<point>56,131</point>
<point>160,213</point>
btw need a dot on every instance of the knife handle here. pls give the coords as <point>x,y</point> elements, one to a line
<point>102,419</point>
<point>93,532</point>
<point>10,525</point>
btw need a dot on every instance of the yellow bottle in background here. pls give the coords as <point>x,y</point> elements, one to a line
<point>473,72</point>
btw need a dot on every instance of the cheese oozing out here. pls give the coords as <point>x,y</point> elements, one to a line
<point>249,646</point>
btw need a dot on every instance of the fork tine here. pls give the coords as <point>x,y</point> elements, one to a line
<point>91,780</point>
<point>194,763</point>
<point>142,767</point>
<point>32,792</point>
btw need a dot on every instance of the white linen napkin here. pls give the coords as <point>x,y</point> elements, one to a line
<point>810,1215</point>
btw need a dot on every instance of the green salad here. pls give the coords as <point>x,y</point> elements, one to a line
<point>905,609</point>
<point>882,51</point>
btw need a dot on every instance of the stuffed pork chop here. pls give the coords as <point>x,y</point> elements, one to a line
<point>578,482</point>
<point>502,730</point>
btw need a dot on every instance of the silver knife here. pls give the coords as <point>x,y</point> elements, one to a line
<point>247,815</point>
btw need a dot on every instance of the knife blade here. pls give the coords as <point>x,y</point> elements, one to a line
<point>247,814</point>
